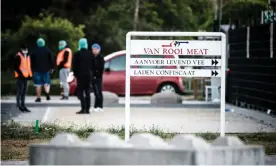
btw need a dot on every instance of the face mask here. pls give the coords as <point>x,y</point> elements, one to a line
<point>61,47</point>
<point>25,51</point>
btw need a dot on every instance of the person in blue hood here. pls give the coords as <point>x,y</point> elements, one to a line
<point>83,67</point>
<point>97,79</point>
<point>42,64</point>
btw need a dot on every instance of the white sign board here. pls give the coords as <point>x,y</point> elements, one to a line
<point>162,48</point>
<point>174,62</point>
<point>179,47</point>
<point>175,72</point>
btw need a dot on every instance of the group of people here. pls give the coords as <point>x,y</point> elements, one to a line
<point>87,66</point>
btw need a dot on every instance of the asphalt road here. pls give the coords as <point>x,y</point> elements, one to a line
<point>259,121</point>
<point>200,115</point>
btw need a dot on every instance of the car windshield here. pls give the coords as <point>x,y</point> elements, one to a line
<point>117,64</point>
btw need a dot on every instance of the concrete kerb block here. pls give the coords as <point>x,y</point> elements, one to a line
<point>63,148</point>
<point>233,155</point>
<point>108,98</point>
<point>147,140</point>
<point>104,139</point>
<point>227,141</point>
<point>67,139</point>
<point>187,141</point>
<point>147,149</point>
<point>166,98</point>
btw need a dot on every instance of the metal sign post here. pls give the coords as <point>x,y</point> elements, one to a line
<point>210,49</point>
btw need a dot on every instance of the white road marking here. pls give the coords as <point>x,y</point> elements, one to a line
<point>46,115</point>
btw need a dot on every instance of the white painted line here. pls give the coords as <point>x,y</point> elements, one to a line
<point>46,115</point>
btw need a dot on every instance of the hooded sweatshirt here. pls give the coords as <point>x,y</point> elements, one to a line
<point>99,63</point>
<point>41,58</point>
<point>83,61</point>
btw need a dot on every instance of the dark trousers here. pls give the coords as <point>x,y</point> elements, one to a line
<point>83,92</point>
<point>97,88</point>
<point>21,89</point>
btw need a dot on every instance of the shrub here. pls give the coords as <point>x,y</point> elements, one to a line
<point>52,29</point>
<point>10,89</point>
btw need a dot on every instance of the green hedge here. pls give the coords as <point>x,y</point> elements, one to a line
<point>51,28</point>
<point>10,89</point>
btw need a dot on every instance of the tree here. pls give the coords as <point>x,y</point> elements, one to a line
<point>76,11</point>
<point>14,11</point>
<point>109,26</point>
<point>202,14</point>
<point>244,11</point>
<point>185,15</point>
<point>52,29</point>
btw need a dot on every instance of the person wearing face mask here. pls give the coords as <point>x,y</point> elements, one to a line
<point>63,62</point>
<point>83,67</point>
<point>97,79</point>
<point>22,73</point>
<point>42,65</point>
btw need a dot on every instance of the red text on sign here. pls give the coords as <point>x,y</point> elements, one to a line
<point>172,51</point>
<point>154,51</point>
<point>197,51</point>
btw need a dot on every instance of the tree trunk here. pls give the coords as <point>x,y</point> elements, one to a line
<point>136,15</point>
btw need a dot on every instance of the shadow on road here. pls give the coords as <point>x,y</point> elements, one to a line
<point>9,111</point>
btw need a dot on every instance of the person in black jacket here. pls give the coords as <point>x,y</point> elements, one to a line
<point>83,67</point>
<point>42,64</point>
<point>23,72</point>
<point>97,79</point>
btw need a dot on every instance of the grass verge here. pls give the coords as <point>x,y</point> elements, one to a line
<point>15,138</point>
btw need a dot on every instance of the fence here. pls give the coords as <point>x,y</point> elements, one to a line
<point>252,62</point>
